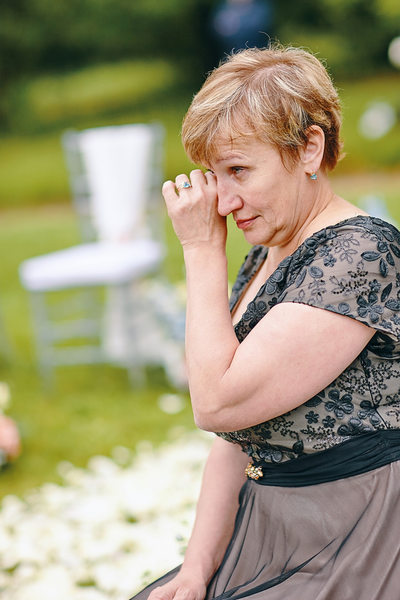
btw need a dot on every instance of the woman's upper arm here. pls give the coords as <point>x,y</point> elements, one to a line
<point>294,352</point>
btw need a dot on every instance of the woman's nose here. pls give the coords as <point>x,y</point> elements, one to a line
<point>228,200</point>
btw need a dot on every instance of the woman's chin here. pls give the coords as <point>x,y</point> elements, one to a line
<point>257,238</point>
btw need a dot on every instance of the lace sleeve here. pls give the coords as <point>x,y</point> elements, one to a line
<point>355,273</point>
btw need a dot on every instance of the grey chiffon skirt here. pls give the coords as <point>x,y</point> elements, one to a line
<point>337,540</point>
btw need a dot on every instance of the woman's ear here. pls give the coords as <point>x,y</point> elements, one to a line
<point>313,151</point>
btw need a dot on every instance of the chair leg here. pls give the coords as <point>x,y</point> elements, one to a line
<point>123,350</point>
<point>134,362</point>
<point>43,337</point>
<point>119,332</point>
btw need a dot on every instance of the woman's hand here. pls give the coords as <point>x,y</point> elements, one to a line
<point>193,210</point>
<point>182,587</point>
<point>214,524</point>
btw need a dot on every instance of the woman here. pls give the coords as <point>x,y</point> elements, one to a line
<point>306,381</point>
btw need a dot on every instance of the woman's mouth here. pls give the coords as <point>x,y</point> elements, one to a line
<point>244,223</point>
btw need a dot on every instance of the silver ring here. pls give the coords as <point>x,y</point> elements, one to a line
<point>184,186</point>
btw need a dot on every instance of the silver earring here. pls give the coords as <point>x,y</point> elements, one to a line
<point>314,176</point>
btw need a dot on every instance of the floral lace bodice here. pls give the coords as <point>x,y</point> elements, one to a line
<point>351,268</point>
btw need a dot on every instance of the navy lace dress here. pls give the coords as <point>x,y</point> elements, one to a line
<point>319,517</point>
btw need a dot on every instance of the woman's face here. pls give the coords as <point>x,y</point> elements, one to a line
<point>262,195</point>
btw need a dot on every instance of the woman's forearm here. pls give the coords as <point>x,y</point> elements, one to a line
<point>210,338</point>
<point>216,510</point>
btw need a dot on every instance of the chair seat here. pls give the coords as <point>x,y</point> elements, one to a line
<point>96,263</point>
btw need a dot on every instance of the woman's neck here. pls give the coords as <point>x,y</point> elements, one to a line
<point>330,210</point>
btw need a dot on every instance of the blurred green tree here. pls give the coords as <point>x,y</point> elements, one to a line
<point>44,36</point>
<point>352,35</point>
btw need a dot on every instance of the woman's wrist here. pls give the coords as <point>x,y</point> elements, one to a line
<point>194,570</point>
<point>207,259</point>
<point>204,248</point>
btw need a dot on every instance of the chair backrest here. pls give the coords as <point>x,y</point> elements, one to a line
<point>115,177</point>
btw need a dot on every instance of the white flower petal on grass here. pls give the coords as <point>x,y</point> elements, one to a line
<point>6,539</point>
<point>53,582</point>
<point>102,465</point>
<point>108,577</point>
<point>5,582</point>
<point>122,455</point>
<point>64,468</point>
<point>89,593</point>
<point>11,509</point>
<point>108,531</point>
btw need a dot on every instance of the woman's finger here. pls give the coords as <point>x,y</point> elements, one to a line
<point>197,177</point>
<point>169,190</point>
<point>210,177</point>
<point>185,185</point>
<point>182,182</point>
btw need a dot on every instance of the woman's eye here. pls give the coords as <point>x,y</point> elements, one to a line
<point>236,170</point>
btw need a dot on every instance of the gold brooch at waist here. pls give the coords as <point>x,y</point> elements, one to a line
<point>253,472</point>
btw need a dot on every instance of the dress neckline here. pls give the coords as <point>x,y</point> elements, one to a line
<point>263,252</point>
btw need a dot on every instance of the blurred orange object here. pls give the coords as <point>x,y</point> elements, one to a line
<point>10,443</point>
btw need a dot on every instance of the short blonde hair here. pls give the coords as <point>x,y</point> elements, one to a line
<point>276,93</point>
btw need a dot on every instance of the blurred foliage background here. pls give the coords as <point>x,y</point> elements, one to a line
<point>83,63</point>
<point>87,63</point>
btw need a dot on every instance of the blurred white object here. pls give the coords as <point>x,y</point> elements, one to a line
<point>116,175</point>
<point>394,52</point>
<point>376,207</point>
<point>171,404</point>
<point>5,396</point>
<point>158,320</point>
<point>377,120</point>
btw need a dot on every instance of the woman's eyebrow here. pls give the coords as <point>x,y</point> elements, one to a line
<point>230,157</point>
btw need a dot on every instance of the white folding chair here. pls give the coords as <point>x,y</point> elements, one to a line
<point>115,176</point>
